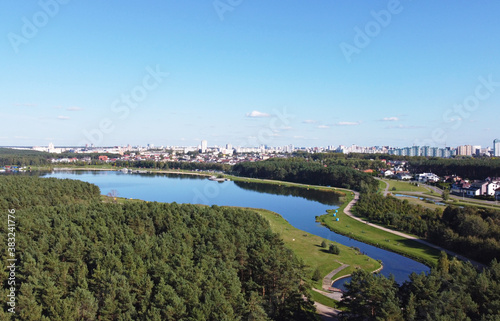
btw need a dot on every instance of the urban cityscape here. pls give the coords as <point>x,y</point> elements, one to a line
<point>228,149</point>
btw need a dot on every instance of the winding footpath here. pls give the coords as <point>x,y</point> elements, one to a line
<point>327,280</point>
<point>349,213</point>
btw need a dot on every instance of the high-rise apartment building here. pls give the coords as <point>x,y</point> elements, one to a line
<point>465,150</point>
<point>496,147</point>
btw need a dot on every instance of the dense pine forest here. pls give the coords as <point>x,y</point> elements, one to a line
<point>19,157</point>
<point>453,291</point>
<point>471,231</point>
<point>300,170</point>
<point>80,258</point>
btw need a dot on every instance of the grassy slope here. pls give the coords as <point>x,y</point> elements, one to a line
<point>308,247</point>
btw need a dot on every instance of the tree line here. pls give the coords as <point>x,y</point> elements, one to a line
<point>300,170</point>
<point>173,165</point>
<point>80,258</point>
<point>354,160</point>
<point>470,168</point>
<point>19,157</point>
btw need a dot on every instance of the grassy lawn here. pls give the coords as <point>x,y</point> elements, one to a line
<point>371,235</point>
<point>401,186</point>
<point>381,186</point>
<point>427,204</point>
<point>308,247</point>
<point>456,202</point>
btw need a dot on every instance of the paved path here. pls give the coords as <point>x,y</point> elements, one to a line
<point>327,280</point>
<point>386,190</point>
<point>337,295</point>
<point>348,212</point>
<point>326,313</point>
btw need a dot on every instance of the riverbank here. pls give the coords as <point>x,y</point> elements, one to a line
<point>354,227</point>
<point>308,247</point>
<point>348,225</point>
<point>339,191</point>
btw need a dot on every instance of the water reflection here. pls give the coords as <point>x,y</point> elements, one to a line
<point>323,197</point>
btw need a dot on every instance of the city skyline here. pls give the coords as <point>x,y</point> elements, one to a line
<point>395,73</point>
<point>203,147</point>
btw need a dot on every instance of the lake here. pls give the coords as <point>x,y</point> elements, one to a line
<point>297,205</point>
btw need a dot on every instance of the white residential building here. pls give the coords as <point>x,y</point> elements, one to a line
<point>492,187</point>
<point>388,173</point>
<point>496,148</point>
<point>427,177</point>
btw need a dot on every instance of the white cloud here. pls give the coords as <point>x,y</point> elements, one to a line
<point>74,108</point>
<point>309,121</point>
<point>257,114</point>
<point>348,123</point>
<point>405,127</point>
<point>25,105</point>
<point>390,119</point>
<point>63,117</point>
<point>323,126</point>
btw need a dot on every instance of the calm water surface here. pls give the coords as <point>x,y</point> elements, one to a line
<point>298,206</point>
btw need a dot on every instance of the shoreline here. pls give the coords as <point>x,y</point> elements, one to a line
<point>345,207</point>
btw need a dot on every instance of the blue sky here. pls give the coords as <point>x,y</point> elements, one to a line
<point>308,73</point>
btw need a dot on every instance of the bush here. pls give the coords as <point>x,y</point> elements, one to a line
<point>316,275</point>
<point>323,244</point>
<point>334,249</point>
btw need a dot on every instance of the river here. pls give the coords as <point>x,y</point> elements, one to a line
<point>297,205</point>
